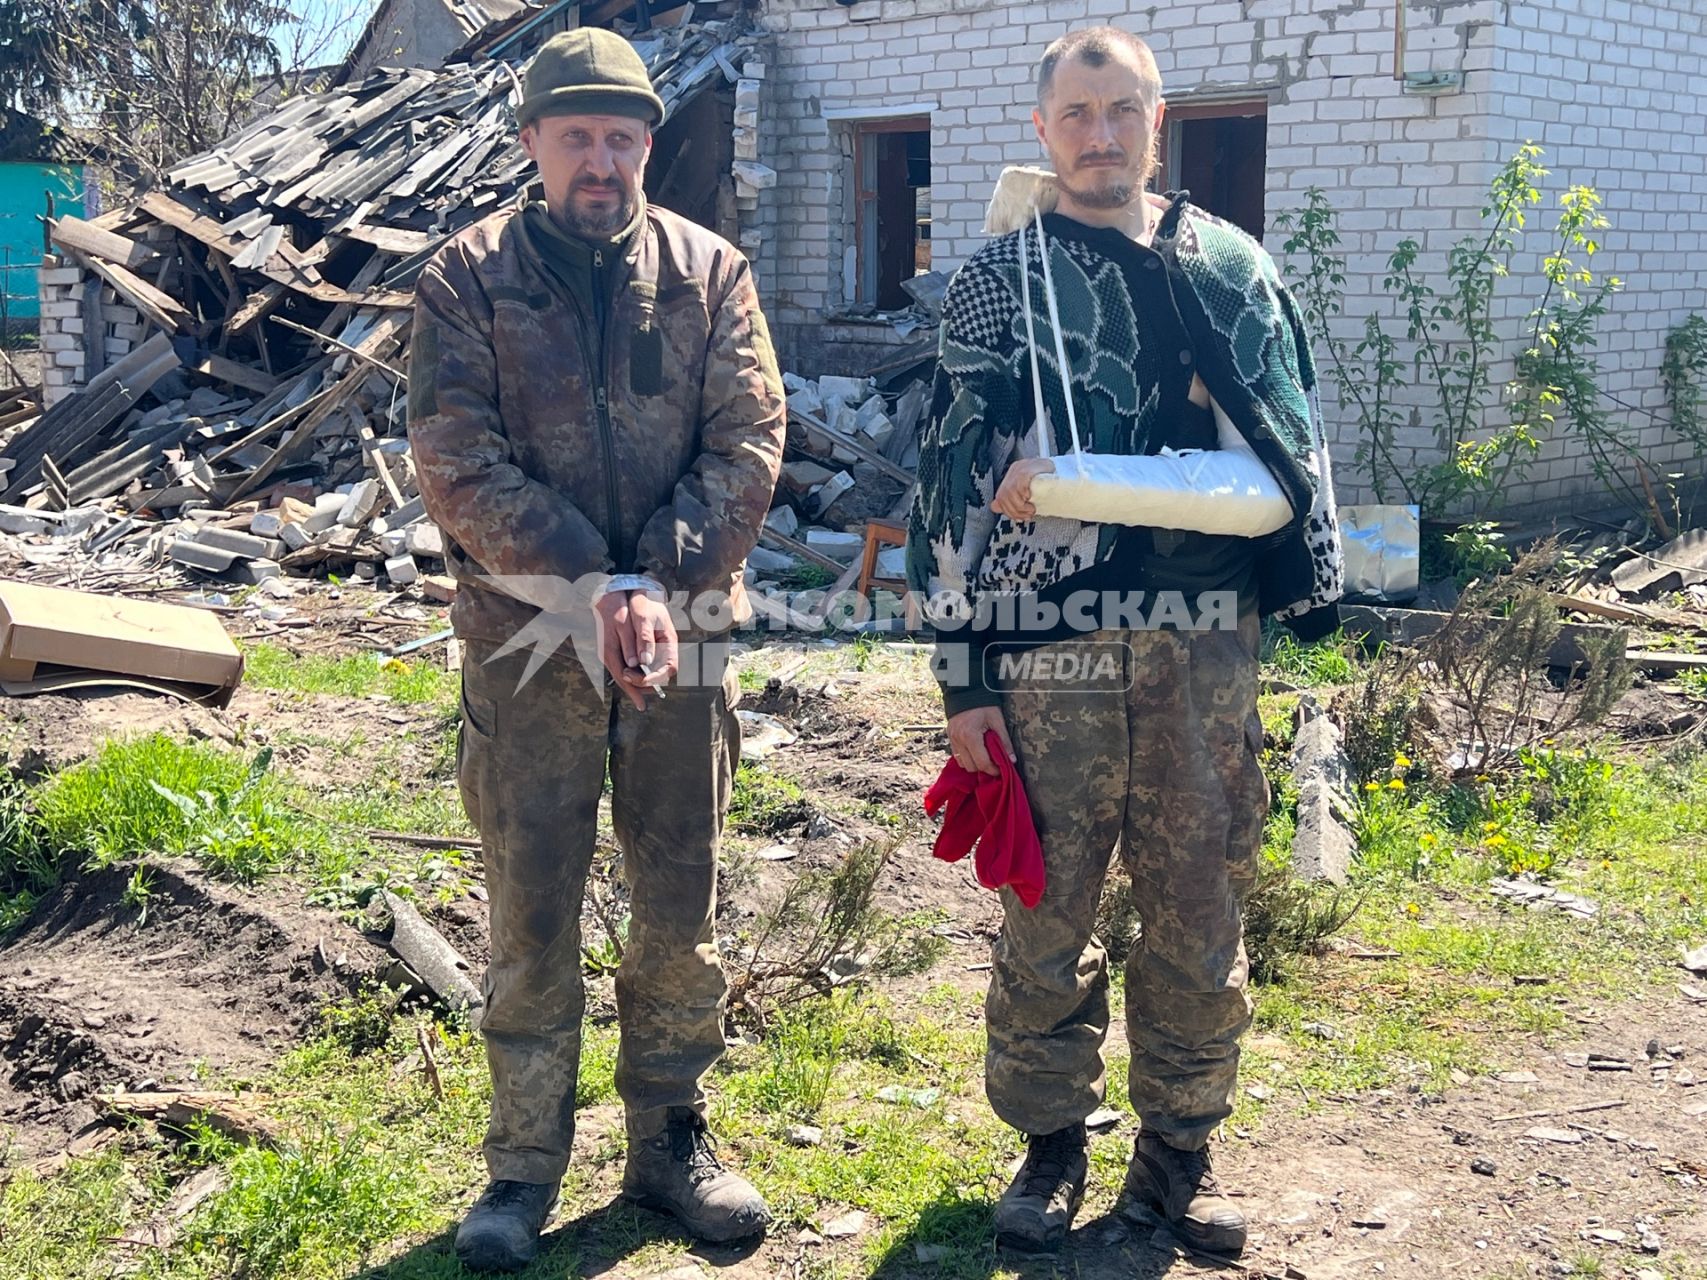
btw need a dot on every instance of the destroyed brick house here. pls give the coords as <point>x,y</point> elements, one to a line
<point>236,337</point>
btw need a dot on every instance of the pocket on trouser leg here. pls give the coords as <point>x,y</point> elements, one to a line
<point>1248,802</point>
<point>474,734</point>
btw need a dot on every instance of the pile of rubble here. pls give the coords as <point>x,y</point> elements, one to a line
<point>225,360</point>
<point>852,453</point>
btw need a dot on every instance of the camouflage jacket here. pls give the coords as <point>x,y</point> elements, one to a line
<point>540,468</point>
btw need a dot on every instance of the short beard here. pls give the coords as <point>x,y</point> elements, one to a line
<point>593,226</point>
<point>1118,196</point>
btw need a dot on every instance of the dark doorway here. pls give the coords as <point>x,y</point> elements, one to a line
<point>892,174</point>
<point>1219,153</point>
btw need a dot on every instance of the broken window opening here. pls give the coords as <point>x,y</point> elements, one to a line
<point>691,155</point>
<point>892,179</point>
<point>1218,151</point>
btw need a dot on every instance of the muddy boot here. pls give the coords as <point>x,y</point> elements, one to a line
<point>1181,1188</point>
<point>677,1172</point>
<point>501,1232</point>
<point>1035,1211</point>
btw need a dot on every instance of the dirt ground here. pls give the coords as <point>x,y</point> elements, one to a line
<point>217,981</point>
<point>1388,1183</point>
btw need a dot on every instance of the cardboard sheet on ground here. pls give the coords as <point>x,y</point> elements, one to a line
<point>57,638</point>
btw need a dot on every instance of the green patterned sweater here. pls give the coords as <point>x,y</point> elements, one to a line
<point>1137,323</point>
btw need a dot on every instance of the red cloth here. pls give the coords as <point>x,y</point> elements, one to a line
<point>994,813</point>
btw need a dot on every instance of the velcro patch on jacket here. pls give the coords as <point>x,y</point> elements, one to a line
<point>424,360</point>
<point>646,362</point>
<point>686,289</point>
<point>509,293</point>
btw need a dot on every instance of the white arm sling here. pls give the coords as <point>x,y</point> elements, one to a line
<point>1225,490</point>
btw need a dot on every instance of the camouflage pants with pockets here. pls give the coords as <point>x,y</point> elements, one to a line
<point>531,764</point>
<point>1160,754</point>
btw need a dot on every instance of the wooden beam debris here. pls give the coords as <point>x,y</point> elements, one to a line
<point>434,960</point>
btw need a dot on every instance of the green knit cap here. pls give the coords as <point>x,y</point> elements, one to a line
<point>588,71</point>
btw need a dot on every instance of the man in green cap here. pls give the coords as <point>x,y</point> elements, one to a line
<point>597,423</point>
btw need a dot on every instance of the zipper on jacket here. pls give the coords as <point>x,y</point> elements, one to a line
<point>607,437</point>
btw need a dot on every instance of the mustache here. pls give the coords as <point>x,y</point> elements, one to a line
<point>1116,156</point>
<point>599,184</point>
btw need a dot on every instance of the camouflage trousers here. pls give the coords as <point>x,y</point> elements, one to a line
<point>531,766</point>
<point>1150,740</point>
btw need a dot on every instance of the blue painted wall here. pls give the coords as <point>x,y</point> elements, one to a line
<point>23,185</point>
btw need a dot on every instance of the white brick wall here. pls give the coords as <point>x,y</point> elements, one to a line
<point>1612,90</point>
<point>1394,164</point>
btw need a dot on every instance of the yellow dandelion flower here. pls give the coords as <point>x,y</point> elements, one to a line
<point>1372,786</point>
<point>1397,784</point>
<point>1606,864</point>
<point>1428,839</point>
<point>1490,826</point>
<point>1496,840</point>
<point>1411,909</point>
<point>1401,761</point>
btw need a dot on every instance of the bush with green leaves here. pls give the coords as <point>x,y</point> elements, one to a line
<point>1446,345</point>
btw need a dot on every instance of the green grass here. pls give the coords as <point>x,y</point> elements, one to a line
<point>358,675</point>
<point>145,796</point>
<point>153,797</point>
<point>1330,660</point>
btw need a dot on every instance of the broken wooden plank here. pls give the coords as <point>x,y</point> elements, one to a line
<point>420,840</point>
<point>385,330</point>
<point>231,1114</point>
<point>397,240</point>
<point>329,340</point>
<point>236,375</point>
<point>1614,612</point>
<point>437,963</point>
<point>1667,662</point>
<point>782,542</point>
<point>162,308</point>
<point>283,267</point>
<point>854,447</point>
<point>263,301</point>
<point>74,233</point>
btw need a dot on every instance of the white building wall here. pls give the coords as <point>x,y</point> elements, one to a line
<point>1613,90</point>
<point>1395,164</point>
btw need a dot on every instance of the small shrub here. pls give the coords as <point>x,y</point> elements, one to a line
<point>826,931</point>
<point>765,803</point>
<point>1491,661</point>
<point>1285,918</point>
<point>1379,715</point>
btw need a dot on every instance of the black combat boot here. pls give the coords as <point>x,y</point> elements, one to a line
<point>677,1172</point>
<point>501,1232</point>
